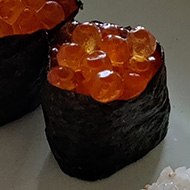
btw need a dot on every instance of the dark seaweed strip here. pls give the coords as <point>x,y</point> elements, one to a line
<point>80,4</point>
<point>21,60</point>
<point>92,140</point>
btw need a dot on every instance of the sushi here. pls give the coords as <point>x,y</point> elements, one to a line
<point>172,180</point>
<point>24,47</point>
<point>112,108</point>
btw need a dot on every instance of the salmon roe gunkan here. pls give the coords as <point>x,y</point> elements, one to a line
<point>101,62</point>
<point>28,16</point>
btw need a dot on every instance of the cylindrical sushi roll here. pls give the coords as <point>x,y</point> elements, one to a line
<point>172,180</point>
<point>104,98</point>
<point>24,50</point>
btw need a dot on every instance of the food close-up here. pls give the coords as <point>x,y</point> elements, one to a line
<point>24,51</point>
<point>94,95</point>
<point>171,179</point>
<point>104,97</point>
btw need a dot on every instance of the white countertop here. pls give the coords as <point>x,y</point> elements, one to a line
<point>26,162</point>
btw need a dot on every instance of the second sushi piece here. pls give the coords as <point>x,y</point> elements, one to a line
<point>104,97</point>
<point>24,50</point>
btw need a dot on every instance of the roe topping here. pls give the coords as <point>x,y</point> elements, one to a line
<point>28,16</point>
<point>103,63</point>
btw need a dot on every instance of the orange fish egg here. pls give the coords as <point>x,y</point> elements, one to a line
<point>51,14</point>
<point>5,29</point>
<point>95,62</point>
<point>40,14</point>
<point>34,4</point>
<point>117,49</point>
<point>143,67</point>
<point>134,84</point>
<point>138,64</point>
<point>146,67</point>
<point>81,83</point>
<point>109,29</point>
<point>62,77</point>
<point>70,55</point>
<point>106,86</point>
<point>141,42</point>
<point>120,69</point>
<point>155,63</point>
<point>10,10</point>
<point>21,26</point>
<point>88,36</point>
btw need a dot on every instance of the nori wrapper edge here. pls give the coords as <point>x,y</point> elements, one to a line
<point>92,140</point>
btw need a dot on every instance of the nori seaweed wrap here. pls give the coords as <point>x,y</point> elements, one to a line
<point>91,140</point>
<point>21,60</point>
<point>24,51</point>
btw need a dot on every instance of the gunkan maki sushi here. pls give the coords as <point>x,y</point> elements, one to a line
<point>104,97</point>
<point>24,50</point>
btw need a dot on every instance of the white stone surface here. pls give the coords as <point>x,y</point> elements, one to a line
<point>25,159</point>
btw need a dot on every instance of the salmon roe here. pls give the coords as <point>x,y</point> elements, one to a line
<point>88,36</point>
<point>95,62</point>
<point>62,77</point>
<point>106,86</point>
<point>134,84</point>
<point>141,42</point>
<point>117,49</point>
<point>70,55</point>
<point>109,29</point>
<point>81,83</point>
<point>36,5</point>
<point>28,16</point>
<point>101,62</point>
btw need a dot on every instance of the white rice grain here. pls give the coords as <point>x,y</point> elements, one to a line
<point>172,180</point>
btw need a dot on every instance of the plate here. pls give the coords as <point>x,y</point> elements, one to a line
<point>25,158</point>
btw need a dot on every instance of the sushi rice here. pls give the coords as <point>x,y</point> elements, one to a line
<point>172,180</point>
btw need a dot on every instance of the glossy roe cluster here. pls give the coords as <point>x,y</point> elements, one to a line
<point>102,62</point>
<point>28,16</point>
